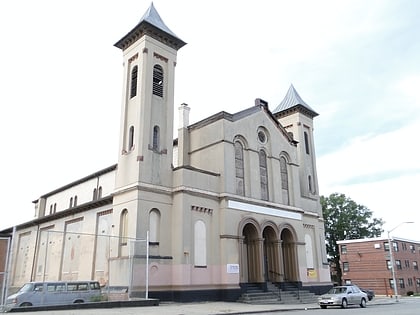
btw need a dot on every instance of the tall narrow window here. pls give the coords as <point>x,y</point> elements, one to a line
<point>124,227</point>
<point>310,183</point>
<point>95,194</point>
<point>284,180</point>
<point>154,226</point>
<point>263,175</point>
<point>71,202</point>
<point>133,88</point>
<point>156,135</point>
<point>239,168</point>
<point>200,244</point>
<point>100,192</point>
<point>131,138</point>
<point>305,135</point>
<point>158,80</point>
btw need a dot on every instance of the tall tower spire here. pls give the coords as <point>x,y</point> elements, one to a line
<point>147,114</point>
<point>297,117</point>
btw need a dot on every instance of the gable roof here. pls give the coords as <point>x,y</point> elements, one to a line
<point>292,100</point>
<point>151,24</point>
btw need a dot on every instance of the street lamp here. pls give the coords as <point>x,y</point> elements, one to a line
<point>392,258</point>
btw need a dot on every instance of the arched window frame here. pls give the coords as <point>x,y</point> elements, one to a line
<point>284,177</point>
<point>95,194</point>
<point>154,226</point>
<point>158,80</point>
<point>123,227</point>
<point>131,138</point>
<point>200,244</point>
<point>239,168</point>
<point>306,139</point>
<point>100,192</point>
<point>133,81</point>
<point>263,175</point>
<point>156,138</point>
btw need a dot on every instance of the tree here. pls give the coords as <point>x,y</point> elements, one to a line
<point>344,219</point>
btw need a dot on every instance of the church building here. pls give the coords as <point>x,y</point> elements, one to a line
<point>227,202</point>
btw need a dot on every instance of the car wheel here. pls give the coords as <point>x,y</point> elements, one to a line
<point>344,303</point>
<point>363,303</point>
<point>25,304</point>
<point>324,306</point>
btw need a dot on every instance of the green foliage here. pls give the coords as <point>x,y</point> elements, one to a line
<point>344,219</point>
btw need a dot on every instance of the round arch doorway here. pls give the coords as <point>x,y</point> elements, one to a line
<point>251,254</point>
<point>289,256</point>
<point>271,255</point>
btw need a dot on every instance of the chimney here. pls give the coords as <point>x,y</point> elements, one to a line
<point>184,116</point>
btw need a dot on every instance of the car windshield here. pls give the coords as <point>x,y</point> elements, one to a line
<point>27,287</point>
<point>337,290</point>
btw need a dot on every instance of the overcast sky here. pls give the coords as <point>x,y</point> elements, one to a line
<point>357,63</point>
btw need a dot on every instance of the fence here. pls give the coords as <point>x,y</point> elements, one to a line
<point>119,264</point>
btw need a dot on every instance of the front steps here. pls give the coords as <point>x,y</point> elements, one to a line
<point>289,295</point>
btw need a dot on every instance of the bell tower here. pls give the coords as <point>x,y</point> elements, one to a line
<point>297,117</point>
<point>147,111</point>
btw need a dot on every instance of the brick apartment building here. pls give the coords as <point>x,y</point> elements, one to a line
<point>367,263</point>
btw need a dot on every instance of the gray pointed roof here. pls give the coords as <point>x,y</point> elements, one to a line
<point>293,100</point>
<point>151,24</point>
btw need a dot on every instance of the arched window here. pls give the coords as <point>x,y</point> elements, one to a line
<point>200,244</point>
<point>305,135</point>
<point>95,194</point>
<point>123,227</point>
<point>154,226</point>
<point>156,135</point>
<point>284,180</point>
<point>263,175</point>
<point>71,202</point>
<point>133,88</point>
<point>51,209</point>
<point>309,251</point>
<point>158,80</point>
<point>100,192</point>
<point>310,183</point>
<point>55,207</point>
<point>75,201</point>
<point>131,138</point>
<point>239,168</point>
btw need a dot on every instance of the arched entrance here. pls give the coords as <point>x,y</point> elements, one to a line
<point>271,255</point>
<point>251,259</point>
<point>289,256</point>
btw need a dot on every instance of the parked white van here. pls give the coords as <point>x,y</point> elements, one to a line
<point>55,293</point>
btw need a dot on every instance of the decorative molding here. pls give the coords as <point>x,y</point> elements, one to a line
<point>202,209</point>
<point>308,226</point>
<point>145,50</point>
<point>133,58</point>
<point>105,212</point>
<point>156,55</point>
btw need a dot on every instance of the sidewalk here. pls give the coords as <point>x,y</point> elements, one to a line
<point>199,308</point>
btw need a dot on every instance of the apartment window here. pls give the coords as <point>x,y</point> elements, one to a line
<point>388,265</point>
<point>344,249</point>
<point>412,248</point>
<point>134,74</point>
<point>394,247</point>
<point>386,246</point>
<point>418,282</point>
<point>407,263</point>
<point>398,264</point>
<point>410,282</point>
<point>404,246</point>
<point>239,168</point>
<point>158,81</point>
<point>415,265</point>
<point>401,283</point>
<point>346,266</point>
<point>263,175</point>
<point>391,283</point>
